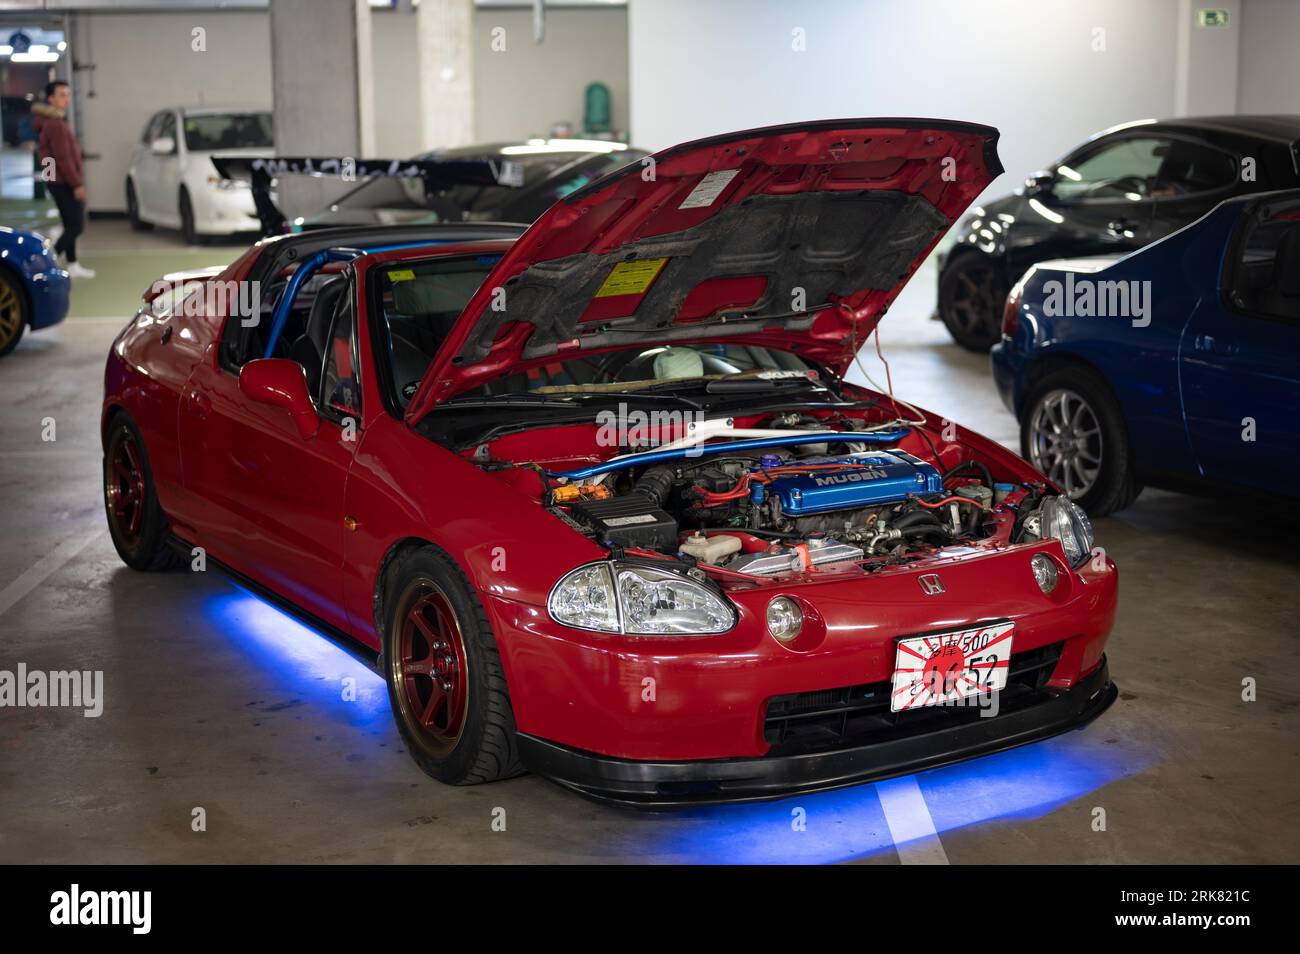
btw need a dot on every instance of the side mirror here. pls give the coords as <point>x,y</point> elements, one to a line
<point>1039,183</point>
<point>163,146</point>
<point>281,383</point>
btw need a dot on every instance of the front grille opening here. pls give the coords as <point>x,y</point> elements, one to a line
<point>828,719</point>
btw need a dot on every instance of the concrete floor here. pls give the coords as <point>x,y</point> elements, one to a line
<point>216,701</point>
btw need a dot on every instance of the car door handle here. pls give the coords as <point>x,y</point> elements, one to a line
<point>200,403</point>
<point>1211,345</point>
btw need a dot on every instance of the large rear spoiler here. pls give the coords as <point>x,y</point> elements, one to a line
<point>438,174</point>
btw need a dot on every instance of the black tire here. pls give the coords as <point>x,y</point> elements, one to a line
<point>1115,484</point>
<point>135,520</point>
<point>483,748</point>
<point>972,292</point>
<point>133,209</point>
<point>186,209</point>
<point>13,311</point>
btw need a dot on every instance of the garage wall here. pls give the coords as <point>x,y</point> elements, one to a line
<point>519,92</point>
<point>1027,67</point>
<point>1268,78</point>
<point>144,62</point>
<point>397,83</point>
<point>524,90</point>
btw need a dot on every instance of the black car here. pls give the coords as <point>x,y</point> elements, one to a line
<point>1120,190</point>
<point>551,168</point>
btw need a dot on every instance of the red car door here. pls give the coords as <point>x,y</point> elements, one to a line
<point>272,499</point>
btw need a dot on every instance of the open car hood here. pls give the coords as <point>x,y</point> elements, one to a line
<point>795,237</point>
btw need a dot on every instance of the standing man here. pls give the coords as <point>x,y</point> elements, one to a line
<point>67,185</point>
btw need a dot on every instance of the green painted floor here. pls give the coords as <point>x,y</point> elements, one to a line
<point>120,280</point>
<point>125,262</point>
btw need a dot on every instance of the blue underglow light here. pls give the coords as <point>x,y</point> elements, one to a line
<point>842,825</point>
<point>846,824</point>
<point>1028,782</point>
<point>837,826</point>
<point>301,659</point>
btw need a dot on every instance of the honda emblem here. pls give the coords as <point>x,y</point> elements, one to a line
<point>931,585</point>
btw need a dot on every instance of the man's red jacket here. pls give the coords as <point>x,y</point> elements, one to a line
<point>58,143</point>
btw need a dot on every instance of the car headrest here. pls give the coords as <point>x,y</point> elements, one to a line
<point>678,363</point>
<point>322,310</point>
<point>1286,265</point>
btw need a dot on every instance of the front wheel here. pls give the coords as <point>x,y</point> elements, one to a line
<point>13,312</point>
<point>445,682</point>
<point>972,292</point>
<point>1073,431</point>
<point>133,209</point>
<point>189,231</point>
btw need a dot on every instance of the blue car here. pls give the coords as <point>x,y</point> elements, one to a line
<point>33,289</point>
<point>1177,365</point>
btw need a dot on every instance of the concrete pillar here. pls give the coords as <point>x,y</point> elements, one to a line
<point>1205,79</point>
<point>445,30</point>
<point>321,83</point>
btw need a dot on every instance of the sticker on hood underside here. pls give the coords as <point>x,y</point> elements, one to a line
<point>631,278</point>
<point>708,189</point>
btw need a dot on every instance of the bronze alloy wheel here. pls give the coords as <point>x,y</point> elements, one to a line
<point>11,314</point>
<point>124,490</point>
<point>429,669</point>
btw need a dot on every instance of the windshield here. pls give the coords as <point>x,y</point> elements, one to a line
<point>548,177</point>
<point>642,368</point>
<point>209,132</point>
<point>420,302</point>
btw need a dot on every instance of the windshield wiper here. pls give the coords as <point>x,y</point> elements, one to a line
<point>570,400</point>
<point>646,395</point>
<point>521,399</point>
<point>752,385</point>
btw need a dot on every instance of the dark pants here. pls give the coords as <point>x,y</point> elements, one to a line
<point>73,213</point>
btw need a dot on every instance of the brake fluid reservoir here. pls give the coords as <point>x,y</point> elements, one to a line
<point>710,549</point>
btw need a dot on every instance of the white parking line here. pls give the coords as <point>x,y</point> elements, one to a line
<point>44,568</point>
<point>910,823</point>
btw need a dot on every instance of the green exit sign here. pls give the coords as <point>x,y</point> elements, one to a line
<point>1212,18</point>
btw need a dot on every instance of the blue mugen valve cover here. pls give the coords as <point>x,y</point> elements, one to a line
<point>865,480</point>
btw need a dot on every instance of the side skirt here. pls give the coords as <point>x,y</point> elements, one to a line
<point>345,641</point>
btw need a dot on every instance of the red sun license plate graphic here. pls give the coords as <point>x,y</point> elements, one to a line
<point>946,668</point>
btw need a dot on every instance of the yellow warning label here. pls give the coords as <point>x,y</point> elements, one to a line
<point>401,275</point>
<point>631,278</point>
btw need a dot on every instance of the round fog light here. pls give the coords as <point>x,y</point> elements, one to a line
<point>1045,574</point>
<point>784,619</point>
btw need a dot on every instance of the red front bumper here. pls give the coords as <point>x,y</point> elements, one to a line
<point>706,698</point>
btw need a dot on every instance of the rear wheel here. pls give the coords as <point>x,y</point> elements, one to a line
<point>133,209</point>
<point>1073,431</point>
<point>135,520</point>
<point>445,681</point>
<point>13,312</point>
<point>972,292</point>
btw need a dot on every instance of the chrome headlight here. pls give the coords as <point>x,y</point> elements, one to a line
<point>638,599</point>
<point>1062,518</point>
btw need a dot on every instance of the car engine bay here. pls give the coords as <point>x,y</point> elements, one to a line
<point>787,499</point>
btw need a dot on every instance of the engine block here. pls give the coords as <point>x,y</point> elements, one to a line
<point>863,480</point>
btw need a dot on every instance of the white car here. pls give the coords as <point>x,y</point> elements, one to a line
<point>172,182</point>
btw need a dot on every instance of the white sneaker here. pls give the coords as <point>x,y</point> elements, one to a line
<point>77,270</point>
